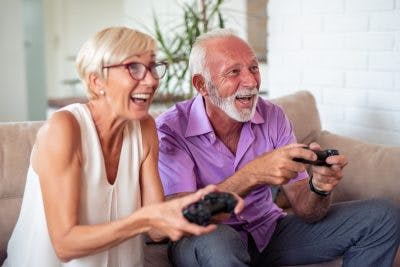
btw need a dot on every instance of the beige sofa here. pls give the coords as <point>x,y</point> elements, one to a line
<point>373,170</point>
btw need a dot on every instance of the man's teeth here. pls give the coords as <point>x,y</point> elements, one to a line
<point>244,96</point>
<point>143,96</point>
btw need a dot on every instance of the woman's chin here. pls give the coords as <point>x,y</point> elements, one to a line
<point>136,113</point>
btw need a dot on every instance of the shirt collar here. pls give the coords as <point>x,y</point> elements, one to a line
<point>198,122</point>
<point>258,118</point>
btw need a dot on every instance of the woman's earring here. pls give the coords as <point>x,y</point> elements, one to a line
<point>102,92</point>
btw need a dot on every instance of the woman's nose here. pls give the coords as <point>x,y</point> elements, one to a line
<point>148,79</point>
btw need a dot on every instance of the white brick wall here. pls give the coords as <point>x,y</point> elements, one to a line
<point>347,53</point>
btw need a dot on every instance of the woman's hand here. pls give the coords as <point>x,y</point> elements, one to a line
<point>166,218</point>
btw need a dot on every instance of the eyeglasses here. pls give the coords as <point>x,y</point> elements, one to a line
<point>138,70</point>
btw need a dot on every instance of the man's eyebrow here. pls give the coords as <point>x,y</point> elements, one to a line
<point>233,66</point>
<point>254,60</point>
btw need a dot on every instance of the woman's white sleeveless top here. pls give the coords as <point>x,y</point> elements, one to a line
<point>100,202</point>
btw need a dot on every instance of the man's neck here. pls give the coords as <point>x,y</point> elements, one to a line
<point>226,129</point>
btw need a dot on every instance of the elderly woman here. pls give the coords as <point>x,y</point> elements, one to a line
<point>93,185</point>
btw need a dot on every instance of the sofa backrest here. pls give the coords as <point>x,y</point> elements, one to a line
<point>16,140</point>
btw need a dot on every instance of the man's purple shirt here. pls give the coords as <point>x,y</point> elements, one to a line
<point>191,157</point>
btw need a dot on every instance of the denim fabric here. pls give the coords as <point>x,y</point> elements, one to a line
<point>365,233</point>
<point>221,248</point>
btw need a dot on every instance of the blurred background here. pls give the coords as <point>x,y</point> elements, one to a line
<point>346,52</point>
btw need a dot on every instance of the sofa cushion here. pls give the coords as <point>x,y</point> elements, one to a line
<point>16,143</point>
<point>372,171</point>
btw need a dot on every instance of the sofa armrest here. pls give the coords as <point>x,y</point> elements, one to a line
<point>16,143</point>
<point>373,170</point>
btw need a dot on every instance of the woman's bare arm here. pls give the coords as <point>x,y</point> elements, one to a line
<point>57,159</point>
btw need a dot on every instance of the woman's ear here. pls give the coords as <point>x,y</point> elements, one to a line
<point>96,84</point>
<point>199,83</point>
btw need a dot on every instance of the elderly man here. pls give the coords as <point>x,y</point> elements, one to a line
<point>228,136</point>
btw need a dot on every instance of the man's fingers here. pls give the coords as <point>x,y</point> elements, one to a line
<point>294,145</point>
<point>315,146</point>
<point>340,160</point>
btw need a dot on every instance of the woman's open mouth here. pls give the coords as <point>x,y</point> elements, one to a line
<point>140,97</point>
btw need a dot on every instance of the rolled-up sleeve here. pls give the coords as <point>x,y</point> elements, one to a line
<point>285,136</point>
<point>175,163</point>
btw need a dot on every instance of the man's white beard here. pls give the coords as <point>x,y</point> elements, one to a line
<point>228,104</point>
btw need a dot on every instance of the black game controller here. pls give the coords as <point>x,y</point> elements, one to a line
<point>201,211</point>
<point>322,155</point>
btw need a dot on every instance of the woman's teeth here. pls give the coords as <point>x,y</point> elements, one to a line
<point>140,96</point>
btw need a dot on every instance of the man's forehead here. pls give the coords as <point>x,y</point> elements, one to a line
<point>231,55</point>
<point>229,46</point>
<point>225,39</point>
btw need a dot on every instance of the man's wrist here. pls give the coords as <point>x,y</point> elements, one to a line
<point>317,191</point>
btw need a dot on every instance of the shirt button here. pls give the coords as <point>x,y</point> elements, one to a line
<point>241,217</point>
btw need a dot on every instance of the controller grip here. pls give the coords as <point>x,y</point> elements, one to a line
<point>322,155</point>
<point>213,203</point>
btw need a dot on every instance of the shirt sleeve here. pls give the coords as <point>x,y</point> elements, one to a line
<point>285,136</point>
<point>175,163</point>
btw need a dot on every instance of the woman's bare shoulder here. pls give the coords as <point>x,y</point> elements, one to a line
<point>60,136</point>
<point>149,134</point>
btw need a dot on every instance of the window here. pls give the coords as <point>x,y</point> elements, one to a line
<point>257,27</point>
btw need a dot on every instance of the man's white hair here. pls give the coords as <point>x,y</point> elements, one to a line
<point>197,58</point>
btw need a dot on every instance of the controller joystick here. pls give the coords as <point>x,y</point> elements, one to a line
<point>321,157</point>
<point>213,203</point>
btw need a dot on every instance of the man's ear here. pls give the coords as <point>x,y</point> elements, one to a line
<point>96,83</point>
<point>199,83</point>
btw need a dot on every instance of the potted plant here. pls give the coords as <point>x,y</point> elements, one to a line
<point>176,43</point>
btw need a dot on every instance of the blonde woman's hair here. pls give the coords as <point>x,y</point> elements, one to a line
<point>108,47</point>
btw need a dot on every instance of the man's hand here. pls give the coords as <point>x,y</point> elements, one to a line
<point>273,168</point>
<point>278,167</point>
<point>327,178</point>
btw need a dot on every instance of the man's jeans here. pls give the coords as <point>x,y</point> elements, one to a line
<point>365,233</point>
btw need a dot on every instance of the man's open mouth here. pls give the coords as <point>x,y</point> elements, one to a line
<point>245,98</point>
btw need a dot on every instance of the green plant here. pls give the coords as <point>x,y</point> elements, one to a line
<point>175,44</point>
